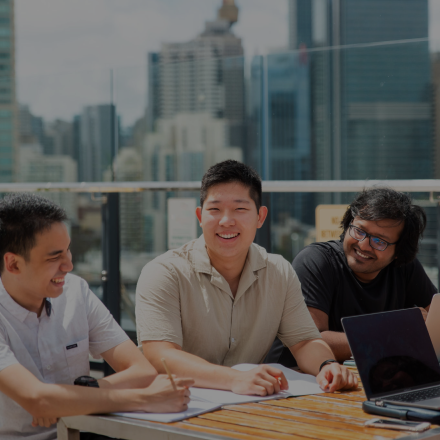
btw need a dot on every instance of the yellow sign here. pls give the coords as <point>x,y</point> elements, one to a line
<point>328,221</point>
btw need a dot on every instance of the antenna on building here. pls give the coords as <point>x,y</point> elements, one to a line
<point>228,12</point>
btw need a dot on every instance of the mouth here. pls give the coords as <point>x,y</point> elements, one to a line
<point>363,256</point>
<point>228,237</point>
<point>57,281</point>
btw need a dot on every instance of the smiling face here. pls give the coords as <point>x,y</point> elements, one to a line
<point>365,261</point>
<point>229,219</point>
<point>42,274</point>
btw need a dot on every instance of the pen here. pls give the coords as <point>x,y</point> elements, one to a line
<point>164,363</point>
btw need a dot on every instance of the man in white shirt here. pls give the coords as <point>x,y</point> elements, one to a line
<point>49,322</point>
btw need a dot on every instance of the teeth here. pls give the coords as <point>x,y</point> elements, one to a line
<point>57,280</point>
<point>228,235</point>
<point>362,255</point>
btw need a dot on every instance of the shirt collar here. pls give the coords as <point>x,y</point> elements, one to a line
<point>11,306</point>
<point>256,258</point>
<point>16,309</point>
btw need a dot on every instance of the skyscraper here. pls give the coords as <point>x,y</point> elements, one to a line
<point>371,109</point>
<point>204,75</point>
<point>8,110</point>
<point>96,141</point>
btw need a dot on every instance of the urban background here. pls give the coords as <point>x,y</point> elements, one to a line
<point>353,92</point>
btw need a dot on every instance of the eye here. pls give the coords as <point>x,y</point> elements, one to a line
<point>378,241</point>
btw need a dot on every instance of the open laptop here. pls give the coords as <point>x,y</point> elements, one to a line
<point>395,358</point>
<point>433,324</point>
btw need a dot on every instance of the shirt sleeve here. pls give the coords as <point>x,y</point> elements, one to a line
<point>296,323</point>
<point>158,316</point>
<point>419,287</point>
<point>7,357</point>
<point>314,271</point>
<point>104,332</point>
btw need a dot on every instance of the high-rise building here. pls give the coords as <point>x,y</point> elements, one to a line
<point>97,139</point>
<point>204,75</point>
<point>8,108</point>
<point>370,94</point>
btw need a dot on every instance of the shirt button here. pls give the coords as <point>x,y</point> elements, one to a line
<point>49,367</point>
<point>232,340</point>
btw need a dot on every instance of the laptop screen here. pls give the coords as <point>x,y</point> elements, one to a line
<point>393,351</point>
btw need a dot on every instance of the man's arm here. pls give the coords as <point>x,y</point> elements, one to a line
<point>337,342</point>
<point>132,368</point>
<point>311,354</point>
<point>47,401</point>
<point>261,381</point>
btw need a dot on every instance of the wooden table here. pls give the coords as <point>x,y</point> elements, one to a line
<point>337,416</point>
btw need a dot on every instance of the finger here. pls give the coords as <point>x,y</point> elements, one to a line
<point>47,423</point>
<point>275,372</point>
<point>334,377</point>
<point>272,380</point>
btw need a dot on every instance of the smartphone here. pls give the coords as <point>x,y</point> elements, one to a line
<point>400,425</point>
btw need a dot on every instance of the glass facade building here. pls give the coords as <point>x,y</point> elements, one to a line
<point>8,135</point>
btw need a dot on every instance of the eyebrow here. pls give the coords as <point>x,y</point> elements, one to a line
<point>53,253</point>
<point>235,201</point>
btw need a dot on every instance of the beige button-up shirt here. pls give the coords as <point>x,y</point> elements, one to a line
<point>181,298</point>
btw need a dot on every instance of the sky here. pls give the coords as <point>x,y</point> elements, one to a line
<point>66,48</point>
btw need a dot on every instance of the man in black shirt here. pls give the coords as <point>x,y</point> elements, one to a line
<point>373,268</point>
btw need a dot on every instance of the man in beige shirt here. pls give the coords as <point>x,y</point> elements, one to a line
<point>220,300</point>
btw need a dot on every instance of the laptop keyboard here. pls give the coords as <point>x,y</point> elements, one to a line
<point>417,396</point>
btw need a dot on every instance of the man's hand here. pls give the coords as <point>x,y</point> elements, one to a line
<point>44,422</point>
<point>260,381</point>
<point>335,377</point>
<point>161,397</point>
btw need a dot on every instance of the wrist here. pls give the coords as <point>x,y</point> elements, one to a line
<point>327,362</point>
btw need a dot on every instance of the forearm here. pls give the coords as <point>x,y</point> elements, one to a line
<point>48,400</point>
<point>338,343</point>
<point>311,354</point>
<point>205,374</point>
<point>136,376</point>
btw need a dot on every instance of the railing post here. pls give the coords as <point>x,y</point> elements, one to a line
<point>111,276</point>
<point>263,236</point>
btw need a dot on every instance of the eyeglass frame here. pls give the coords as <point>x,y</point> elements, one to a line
<point>369,236</point>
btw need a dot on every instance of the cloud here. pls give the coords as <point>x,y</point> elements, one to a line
<point>65,48</point>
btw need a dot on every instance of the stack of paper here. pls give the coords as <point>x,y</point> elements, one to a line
<point>205,400</point>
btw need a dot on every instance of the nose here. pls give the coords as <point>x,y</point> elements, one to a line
<point>227,219</point>
<point>66,264</point>
<point>365,244</point>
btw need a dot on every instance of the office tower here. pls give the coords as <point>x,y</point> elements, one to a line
<point>8,108</point>
<point>34,166</point>
<point>61,138</point>
<point>371,103</point>
<point>97,139</point>
<point>280,122</point>
<point>204,75</point>
<point>128,167</point>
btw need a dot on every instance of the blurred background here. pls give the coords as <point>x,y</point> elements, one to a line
<point>160,90</point>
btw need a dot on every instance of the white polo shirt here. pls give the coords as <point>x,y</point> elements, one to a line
<point>54,348</point>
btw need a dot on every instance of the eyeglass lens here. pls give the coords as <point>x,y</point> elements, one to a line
<point>375,242</point>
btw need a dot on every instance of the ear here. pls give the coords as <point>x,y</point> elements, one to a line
<point>199,214</point>
<point>12,263</point>
<point>262,214</point>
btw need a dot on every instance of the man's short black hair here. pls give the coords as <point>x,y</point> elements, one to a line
<point>232,171</point>
<point>385,203</point>
<point>22,217</point>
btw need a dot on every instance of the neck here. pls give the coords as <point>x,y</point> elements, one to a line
<point>230,268</point>
<point>366,277</point>
<point>20,296</point>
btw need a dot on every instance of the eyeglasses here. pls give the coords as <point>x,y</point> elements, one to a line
<point>376,243</point>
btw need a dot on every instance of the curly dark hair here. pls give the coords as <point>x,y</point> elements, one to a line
<point>232,171</point>
<point>22,217</point>
<point>385,203</point>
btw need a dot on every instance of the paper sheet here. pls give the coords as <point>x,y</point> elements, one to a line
<point>299,385</point>
<point>195,408</point>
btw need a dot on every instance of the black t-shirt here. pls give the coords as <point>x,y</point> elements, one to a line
<point>328,284</point>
